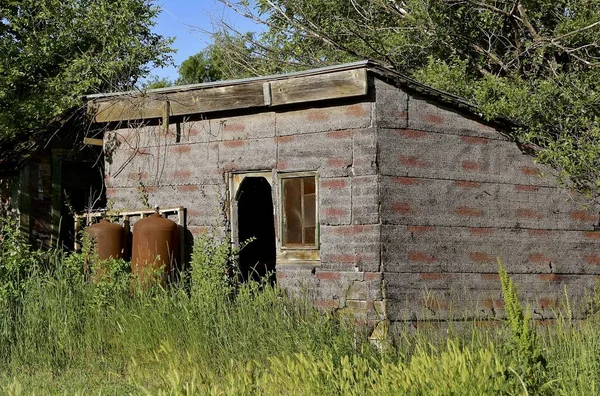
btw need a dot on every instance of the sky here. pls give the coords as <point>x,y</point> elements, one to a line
<point>188,21</point>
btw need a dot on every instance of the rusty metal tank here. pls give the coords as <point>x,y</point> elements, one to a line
<point>109,239</point>
<point>155,245</point>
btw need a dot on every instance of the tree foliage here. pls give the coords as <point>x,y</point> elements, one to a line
<point>53,52</point>
<point>536,62</point>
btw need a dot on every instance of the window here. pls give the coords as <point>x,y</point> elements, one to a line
<point>299,209</point>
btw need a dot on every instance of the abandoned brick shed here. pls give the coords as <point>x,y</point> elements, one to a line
<point>364,188</point>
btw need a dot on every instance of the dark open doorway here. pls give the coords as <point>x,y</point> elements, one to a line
<point>256,220</point>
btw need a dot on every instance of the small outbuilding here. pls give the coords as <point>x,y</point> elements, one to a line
<point>364,189</point>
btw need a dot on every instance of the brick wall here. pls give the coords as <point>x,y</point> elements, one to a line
<point>455,195</point>
<point>338,141</point>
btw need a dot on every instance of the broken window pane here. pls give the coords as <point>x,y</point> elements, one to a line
<point>300,211</point>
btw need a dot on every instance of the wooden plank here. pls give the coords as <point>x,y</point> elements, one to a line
<point>334,85</point>
<point>217,99</point>
<point>320,87</point>
<point>93,142</point>
<point>138,107</point>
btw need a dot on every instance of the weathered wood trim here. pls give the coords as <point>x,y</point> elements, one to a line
<point>139,106</point>
<point>200,101</point>
<point>320,87</point>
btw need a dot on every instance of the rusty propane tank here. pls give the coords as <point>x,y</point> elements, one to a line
<point>155,246</point>
<point>109,239</point>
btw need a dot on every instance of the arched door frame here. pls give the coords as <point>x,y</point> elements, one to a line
<point>235,181</point>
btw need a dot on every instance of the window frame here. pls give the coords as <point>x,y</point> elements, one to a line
<point>297,253</point>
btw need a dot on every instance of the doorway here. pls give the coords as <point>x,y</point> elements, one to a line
<point>255,220</point>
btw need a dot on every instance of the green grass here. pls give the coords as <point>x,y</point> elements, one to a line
<point>62,334</point>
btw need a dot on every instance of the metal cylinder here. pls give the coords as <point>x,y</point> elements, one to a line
<point>108,238</point>
<point>155,247</point>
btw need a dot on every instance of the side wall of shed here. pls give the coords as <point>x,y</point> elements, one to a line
<point>456,195</point>
<point>188,166</point>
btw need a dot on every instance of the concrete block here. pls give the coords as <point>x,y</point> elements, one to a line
<point>364,152</point>
<point>391,105</point>
<point>330,153</point>
<point>246,155</point>
<point>413,153</point>
<point>427,115</point>
<point>459,203</point>
<point>323,119</point>
<point>244,127</point>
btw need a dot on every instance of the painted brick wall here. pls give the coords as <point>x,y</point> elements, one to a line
<point>338,141</point>
<point>456,194</point>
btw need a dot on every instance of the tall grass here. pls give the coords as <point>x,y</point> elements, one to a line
<point>63,331</point>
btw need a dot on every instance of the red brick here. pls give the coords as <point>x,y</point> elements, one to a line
<point>285,139</point>
<point>198,230</point>
<point>334,184</point>
<point>434,118</point>
<point>402,207</point>
<point>481,257</point>
<point>137,176</point>
<point>139,150</point>
<point>591,234</point>
<point>488,323</point>
<point>337,162</point>
<point>467,211</point>
<point>474,140</point>
<point>551,303</point>
<point>413,161</point>
<point>111,191</point>
<point>317,115</point>
<point>407,181</point>
<point>582,215</point>
<point>371,276</point>
<point>339,134</point>
<point>421,257</point>
<point>528,214</point>
<point>326,304</point>
<point>420,228</point>
<point>181,149</point>
<point>150,189</point>
<point>592,259</point>
<point>539,258</point>
<point>328,275</point>
<point>412,134</point>
<point>280,275</point>
<point>490,277</point>
<point>481,231</point>
<point>529,171</point>
<point>521,187</point>
<point>466,184</point>
<point>350,230</point>
<point>357,110</point>
<point>335,211</point>
<point>550,277</point>
<point>471,166</point>
<point>493,303</point>
<point>435,303</point>
<point>234,143</point>
<point>234,127</point>
<point>188,188</point>
<point>182,174</point>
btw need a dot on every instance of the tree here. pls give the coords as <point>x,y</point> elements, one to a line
<point>53,52</point>
<point>229,56</point>
<point>536,62</point>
